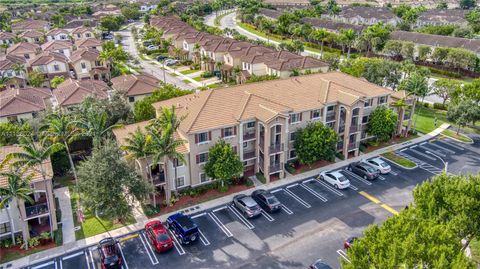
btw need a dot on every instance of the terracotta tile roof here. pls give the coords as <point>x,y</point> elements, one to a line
<point>8,61</point>
<point>122,133</point>
<point>47,57</point>
<point>6,35</point>
<point>33,172</point>
<point>81,30</point>
<point>57,31</point>
<point>266,99</point>
<point>72,92</point>
<point>80,22</point>
<point>85,54</point>
<point>296,63</point>
<point>57,45</point>
<point>450,16</point>
<point>30,25</point>
<point>88,43</point>
<point>135,84</point>
<point>19,101</point>
<point>32,34</point>
<point>23,47</point>
<point>332,25</point>
<point>437,40</point>
<point>367,13</point>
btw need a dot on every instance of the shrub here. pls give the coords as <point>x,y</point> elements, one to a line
<point>363,147</point>
<point>60,163</point>
<point>33,242</point>
<point>58,212</point>
<point>445,73</point>
<point>248,182</point>
<point>150,210</point>
<point>440,106</point>
<point>207,75</point>
<point>58,236</point>
<point>427,105</point>
<point>6,243</point>
<point>290,167</point>
<point>223,188</point>
<point>340,156</point>
<point>186,62</point>
<point>261,177</point>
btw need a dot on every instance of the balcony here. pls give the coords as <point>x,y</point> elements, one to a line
<point>367,110</point>
<point>261,143</point>
<point>260,163</point>
<point>158,179</point>
<point>248,136</point>
<point>330,117</point>
<point>355,128</point>
<point>354,145</point>
<point>275,148</point>
<point>341,129</point>
<point>248,155</point>
<point>274,168</point>
<point>36,210</point>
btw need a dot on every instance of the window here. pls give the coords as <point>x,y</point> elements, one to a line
<point>26,56</point>
<point>330,108</point>
<point>203,178</point>
<point>56,67</point>
<point>202,137</point>
<point>365,119</point>
<point>251,124</point>
<point>292,136</point>
<point>79,35</point>
<point>177,163</point>
<point>245,144</point>
<point>368,103</point>
<point>202,157</point>
<point>5,228</point>
<point>88,35</point>
<point>179,182</point>
<point>131,99</point>
<point>292,154</point>
<point>295,117</point>
<point>83,65</point>
<point>278,129</point>
<point>227,132</point>
<point>316,114</point>
<point>382,100</point>
<point>98,63</point>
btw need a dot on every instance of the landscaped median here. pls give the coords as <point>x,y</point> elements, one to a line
<point>406,163</point>
<point>457,136</point>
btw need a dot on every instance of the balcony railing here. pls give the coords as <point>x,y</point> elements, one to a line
<point>339,145</point>
<point>353,145</point>
<point>260,163</point>
<point>275,148</point>
<point>330,117</point>
<point>158,179</point>
<point>248,136</point>
<point>341,129</point>
<point>355,128</point>
<point>248,155</point>
<point>36,210</point>
<point>261,143</point>
<point>274,168</point>
<point>367,110</point>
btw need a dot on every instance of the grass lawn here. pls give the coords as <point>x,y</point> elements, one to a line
<point>425,118</point>
<point>93,225</point>
<point>190,71</point>
<point>186,81</point>
<point>398,159</point>
<point>214,86</point>
<point>458,136</point>
<point>198,78</point>
<point>475,247</point>
<point>173,74</point>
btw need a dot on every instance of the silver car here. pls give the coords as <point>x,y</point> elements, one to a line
<point>246,205</point>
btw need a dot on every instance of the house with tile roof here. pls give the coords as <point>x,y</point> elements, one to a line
<point>38,25</point>
<point>363,15</point>
<point>6,38</point>
<point>82,32</point>
<point>28,219</point>
<point>22,104</point>
<point>64,47</point>
<point>8,68</point>
<point>259,121</point>
<point>87,65</point>
<point>33,36</point>
<point>71,92</point>
<point>57,34</point>
<point>51,64</point>
<point>23,49</point>
<point>88,43</point>
<point>442,17</point>
<point>136,87</point>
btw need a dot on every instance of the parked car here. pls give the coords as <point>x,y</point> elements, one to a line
<point>349,242</point>
<point>246,205</point>
<point>158,236</point>
<point>335,178</point>
<point>152,47</point>
<point>183,227</point>
<point>110,256</point>
<point>107,36</point>
<point>170,62</point>
<point>147,42</point>
<point>161,57</point>
<point>364,170</point>
<point>266,200</point>
<point>319,264</point>
<point>379,164</point>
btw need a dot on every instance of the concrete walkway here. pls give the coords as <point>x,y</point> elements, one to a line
<point>68,231</point>
<point>48,254</point>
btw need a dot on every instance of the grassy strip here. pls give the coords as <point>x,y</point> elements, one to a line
<point>218,19</point>
<point>475,248</point>
<point>189,71</point>
<point>186,81</point>
<point>458,136</point>
<point>198,78</point>
<point>399,159</point>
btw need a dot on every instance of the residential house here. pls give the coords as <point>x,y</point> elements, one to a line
<point>332,26</point>
<point>89,43</point>
<point>22,104</point>
<point>365,15</point>
<point>33,36</point>
<point>64,47</point>
<point>271,14</point>
<point>82,33</point>
<point>294,3</point>
<point>108,10</point>
<point>7,38</point>
<point>28,219</point>
<point>87,65</point>
<point>259,121</point>
<point>71,92</point>
<point>51,64</point>
<point>136,87</point>
<point>76,23</point>
<point>8,64</point>
<point>58,34</point>
<point>442,17</point>
<point>146,5</point>
<point>284,66</point>
<point>38,25</point>
<point>218,54</point>
<point>23,49</point>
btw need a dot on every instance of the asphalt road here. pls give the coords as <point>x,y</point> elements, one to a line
<point>314,222</point>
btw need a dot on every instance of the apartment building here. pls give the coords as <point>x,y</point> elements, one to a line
<point>442,17</point>
<point>259,121</point>
<point>38,25</point>
<point>82,33</point>
<point>64,47</point>
<point>365,15</point>
<point>89,43</point>
<point>28,219</point>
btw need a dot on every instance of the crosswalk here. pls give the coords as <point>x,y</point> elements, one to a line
<point>423,165</point>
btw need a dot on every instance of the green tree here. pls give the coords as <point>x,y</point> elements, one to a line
<point>461,58</point>
<point>36,79</point>
<point>348,37</point>
<point>57,80</point>
<point>18,189</point>
<point>333,60</point>
<point>440,54</point>
<point>131,12</point>
<point>467,4</point>
<point>315,142</point>
<point>445,88</point>
<point>382,123</point>
<point>223,163</point>
<point>393,48</point>
<point>320,35</point>
<point>111,23</point>
<point>462,113</point>
<point>108,185</point>
<point>376,35</point>
<point>415,85</point>
<point>424,52</point>
<point>332,8</point>
<point>10,132</point>
<point>408,50</point>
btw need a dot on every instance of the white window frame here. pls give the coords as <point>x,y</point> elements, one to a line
<point>203,142</point>
<point>319,114</point>
<point>176,181</point>
<point>295,118</point>
<point>199,154</point>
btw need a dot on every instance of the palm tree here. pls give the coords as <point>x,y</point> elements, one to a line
<point>96,126</point>
<point>348,37</point>
<point>17,188</point>
<point>400,106</point>
<point>3,82</point>
<point>320,35</point>
<point>415,85</point>
<point>18,69</point>
<point>34,155</point>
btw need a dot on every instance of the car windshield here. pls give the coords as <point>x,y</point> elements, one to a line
<point>162,237</point>
<point>272,200</point>
<point>384,164</point>
<point>253,207</point>
<point>342,179</point>
<point>111,259</point>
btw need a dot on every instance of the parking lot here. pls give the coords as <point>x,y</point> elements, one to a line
<point>313,222</point>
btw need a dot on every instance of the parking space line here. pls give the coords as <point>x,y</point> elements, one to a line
<point>358,178</point>
<point>203,238</point>
<point>294,196</point>
<point>220,208</point>
<point>287,210</point>
<point>177,244</point>
<point>220,224</point>
<point>451,144</point>
<point>353,187</point>
<point>86,259</point>
<point>45,264</point>
<point>277,190</point>
<point>91,257</point>
<point>394,173</point>
<point>343,255</point>
<point>267,216</point>
<point>434,151</point>
<point>154,261</point>
<point>242,218</point>
<point>198,215</point>
<point>72,255</point>
<point>376,201</point>
<point>125,264</point>
<point>423,154</point>
<point>314,193</point>
<point>292,185</point>
<point>381,177</point>
<point>319,181</point>
<point>442,148</point>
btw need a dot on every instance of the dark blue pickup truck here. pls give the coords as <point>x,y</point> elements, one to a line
<point>183,228</point>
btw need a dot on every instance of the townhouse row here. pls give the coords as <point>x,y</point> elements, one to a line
<point>260,120</point>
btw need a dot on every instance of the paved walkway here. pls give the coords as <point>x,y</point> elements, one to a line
<point>48,254</point>
<point>68,231</point>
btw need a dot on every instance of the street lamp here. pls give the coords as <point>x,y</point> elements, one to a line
<point>444,162</point>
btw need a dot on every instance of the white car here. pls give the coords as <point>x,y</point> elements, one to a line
<point>335,178</point>
<point>379,164</point>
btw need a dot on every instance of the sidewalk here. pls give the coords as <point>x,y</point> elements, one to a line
<point>68,231</point>
<point>48,254</point>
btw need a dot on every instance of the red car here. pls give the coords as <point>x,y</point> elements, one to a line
<point>158,236</point>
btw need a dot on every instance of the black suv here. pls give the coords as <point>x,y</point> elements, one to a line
<point>364,170</point>
<point>183,228</point>
<point>109,251</point>
<point>266,200</point>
